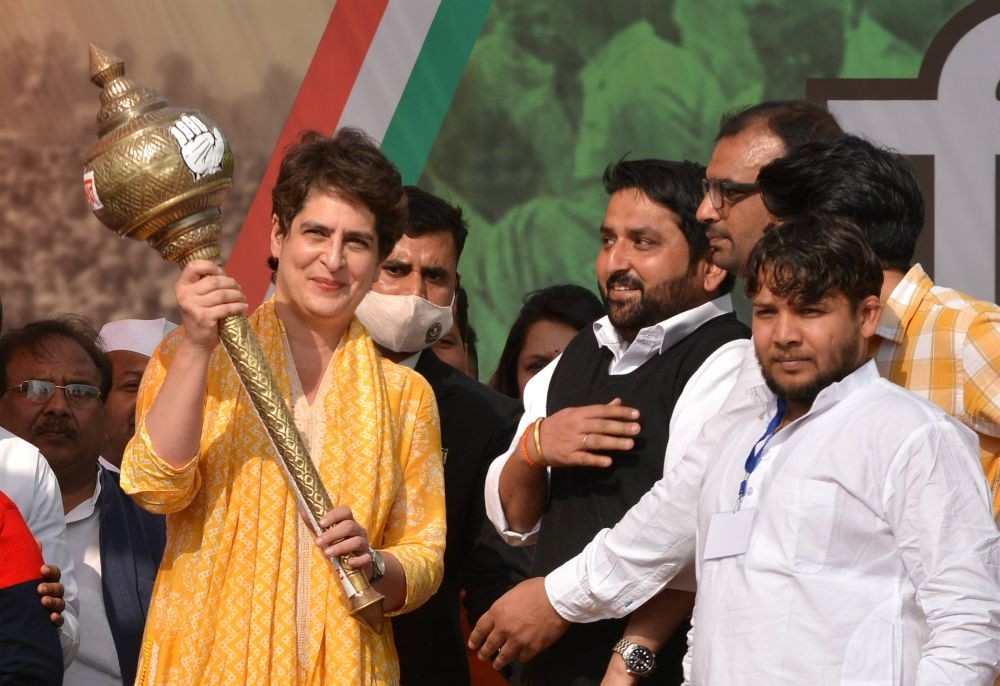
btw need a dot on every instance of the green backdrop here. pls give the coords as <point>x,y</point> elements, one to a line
<point>556,90</point>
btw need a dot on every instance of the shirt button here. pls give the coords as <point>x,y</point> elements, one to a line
<point>750,491</point>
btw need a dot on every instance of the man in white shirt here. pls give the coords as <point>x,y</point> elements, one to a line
<point>56,377</point>
<point>843,533</point>
<point>735,217</point>
<point>942,344</point>
<point>888,208</point>
<point>669,347</point>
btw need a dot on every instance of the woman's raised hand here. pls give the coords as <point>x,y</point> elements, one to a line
<point>206,296</point>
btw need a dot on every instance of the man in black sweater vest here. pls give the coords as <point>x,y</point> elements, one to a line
<point>605,420</point>
<point>408,310</point>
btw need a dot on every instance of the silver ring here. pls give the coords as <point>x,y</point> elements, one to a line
<point>585,437</point>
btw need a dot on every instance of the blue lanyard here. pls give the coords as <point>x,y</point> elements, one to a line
<point>753,459</point>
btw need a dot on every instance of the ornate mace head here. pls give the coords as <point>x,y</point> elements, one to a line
<point>157,173</point>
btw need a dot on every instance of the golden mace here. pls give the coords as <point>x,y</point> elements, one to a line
<point>160,174</point>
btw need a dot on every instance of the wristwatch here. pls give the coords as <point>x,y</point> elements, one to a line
<point>639,660</point>
<point>378,565</point>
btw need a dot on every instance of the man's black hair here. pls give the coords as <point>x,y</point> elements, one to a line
<point>850,177</point>
<point>795,122</point>
<point>431,214</point>
<point>674,185</point>
<point>36,336</point>
<point>811,256</point>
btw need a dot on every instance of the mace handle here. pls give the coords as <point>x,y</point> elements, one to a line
<point>243,349</point>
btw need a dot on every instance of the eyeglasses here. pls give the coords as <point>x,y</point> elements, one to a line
<point>41,391</point>
<point>721,192</point>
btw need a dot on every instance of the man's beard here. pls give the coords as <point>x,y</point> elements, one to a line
<point>844,362</point>
<point>662,301</point>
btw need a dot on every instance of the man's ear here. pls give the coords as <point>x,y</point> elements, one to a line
<point>869,312</point>
<point>713,277</point>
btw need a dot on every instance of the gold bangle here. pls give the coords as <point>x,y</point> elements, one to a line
<point>538,442</point>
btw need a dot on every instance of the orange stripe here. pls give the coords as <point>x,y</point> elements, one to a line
<point>318,105</point>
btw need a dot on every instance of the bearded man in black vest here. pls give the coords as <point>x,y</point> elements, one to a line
<point>606,420</point>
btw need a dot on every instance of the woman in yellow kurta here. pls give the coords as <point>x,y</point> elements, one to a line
<point>245,594</point>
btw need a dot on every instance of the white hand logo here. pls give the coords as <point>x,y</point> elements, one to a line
<point>201,149</point>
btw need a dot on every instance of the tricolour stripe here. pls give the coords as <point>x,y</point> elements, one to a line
<point>319,104</point>
<point>388,65</point>
<point>433,81</point>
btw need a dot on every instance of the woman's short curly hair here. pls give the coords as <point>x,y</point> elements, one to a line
<point>348,164</point>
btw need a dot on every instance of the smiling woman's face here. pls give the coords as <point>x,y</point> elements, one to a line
<point>327,260</point>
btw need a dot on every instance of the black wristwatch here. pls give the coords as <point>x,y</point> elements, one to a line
<point>639,660</point>
<point>378,565</point>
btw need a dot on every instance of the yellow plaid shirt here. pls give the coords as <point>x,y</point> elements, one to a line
<point>944,346</point>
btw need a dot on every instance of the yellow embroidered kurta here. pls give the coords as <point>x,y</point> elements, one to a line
<point>244,596</point>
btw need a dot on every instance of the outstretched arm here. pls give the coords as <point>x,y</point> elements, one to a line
<point>617,572</point>
<point>623,567</point>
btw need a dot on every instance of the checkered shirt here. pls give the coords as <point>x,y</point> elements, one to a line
<point>944,346</point>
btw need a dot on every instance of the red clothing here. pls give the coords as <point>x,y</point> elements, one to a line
<point>30,654</point>
<point>21,559</point>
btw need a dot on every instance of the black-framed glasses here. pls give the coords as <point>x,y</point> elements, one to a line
<point>722,192</point>
<point>37,391</point>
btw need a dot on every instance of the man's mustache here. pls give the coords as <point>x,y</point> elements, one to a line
<point>58,425</point>
<point>624,280</point>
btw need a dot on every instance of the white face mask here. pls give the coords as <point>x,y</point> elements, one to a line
<point>403,323</point>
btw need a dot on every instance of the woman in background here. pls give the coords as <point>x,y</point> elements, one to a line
<point>548,321</point>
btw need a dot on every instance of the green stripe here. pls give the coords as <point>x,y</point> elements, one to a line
<point>428,93</point>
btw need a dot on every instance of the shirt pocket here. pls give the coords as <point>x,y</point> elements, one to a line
<point>815,514</point>
<point>803,512</point>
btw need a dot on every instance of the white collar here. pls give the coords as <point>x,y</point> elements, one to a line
<point>863,376</point>
<point>86,508</point>
<point>666,333</point>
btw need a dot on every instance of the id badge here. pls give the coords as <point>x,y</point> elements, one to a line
<point>729,533</point>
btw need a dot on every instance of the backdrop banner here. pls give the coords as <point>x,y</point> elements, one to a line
<point>510,108</point>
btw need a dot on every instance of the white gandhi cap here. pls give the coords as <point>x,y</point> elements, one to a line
<point>138,335</point>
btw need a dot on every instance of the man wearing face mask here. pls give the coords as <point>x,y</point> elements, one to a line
<point>408,310</point>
